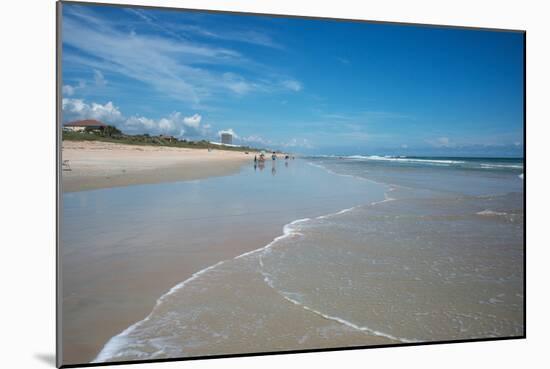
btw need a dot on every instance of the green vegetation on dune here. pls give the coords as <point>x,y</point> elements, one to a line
<point>145,139</point>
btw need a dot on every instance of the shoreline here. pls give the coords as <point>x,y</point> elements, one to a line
<point>127,283</point>
<point>95,165</point>
<point>173,274</point>
<point>378,338</point>
<point>190,251</point>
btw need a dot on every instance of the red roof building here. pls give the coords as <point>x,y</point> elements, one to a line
<point>81,125</point>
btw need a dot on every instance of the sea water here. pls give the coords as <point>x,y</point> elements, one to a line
<point>438,257</point>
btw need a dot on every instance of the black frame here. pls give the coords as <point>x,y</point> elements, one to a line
<point>59,192</point>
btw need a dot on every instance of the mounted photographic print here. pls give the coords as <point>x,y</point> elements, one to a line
<point>239,184</point>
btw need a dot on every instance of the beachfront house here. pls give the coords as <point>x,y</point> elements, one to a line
<point>83,125</point>
<point>227,138</point>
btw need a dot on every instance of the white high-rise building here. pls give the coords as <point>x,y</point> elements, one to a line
<point>227,138</point>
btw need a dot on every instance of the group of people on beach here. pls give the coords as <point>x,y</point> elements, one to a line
<point>261,158</point>
<point>259,161</point>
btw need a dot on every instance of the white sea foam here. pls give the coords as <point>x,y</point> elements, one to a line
<point>503,166</point>
<point>429,161</point>
<point>488,212</point>
<point>112,347</point>
<point>270,283</point>
<point>405,159</point>
<point>348,323</point>
<point>288,231</point>
<point>346,175</point>
<point>337,213</point>
<point>389,187</point>
<point>337,174</point>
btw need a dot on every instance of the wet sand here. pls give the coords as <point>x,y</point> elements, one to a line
<point>109,290</point>
<point>321,286</point>
<point>419,266</point>
<point>95,164</point>
<point>125,247</point>
<point>231,311</point>
<point>157,270</point>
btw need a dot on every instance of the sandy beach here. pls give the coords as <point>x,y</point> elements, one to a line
<point>215,197</point>
<point>95,164</point>
<point>111,287</point>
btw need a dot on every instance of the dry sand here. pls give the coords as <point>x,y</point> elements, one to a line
<point>95,165</point>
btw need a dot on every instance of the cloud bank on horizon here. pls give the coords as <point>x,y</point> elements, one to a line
<point>296,84</point>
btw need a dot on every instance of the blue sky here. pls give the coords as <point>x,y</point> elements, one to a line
<point>300,85</point>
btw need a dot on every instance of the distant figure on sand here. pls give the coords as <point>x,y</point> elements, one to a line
<point>273,156</point>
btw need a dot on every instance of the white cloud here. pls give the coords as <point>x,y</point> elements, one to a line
<point>180,31</point>
<point>193,121</point>
<point>166,125</point>
<point>137,124</point>
<point>70,90</point>
<point>175,124</point>
<point>139,56</point>
<point>292,85</point>
<point>237,84</point>
<point>442,142</point>
<point>294,142</point>
<point>67,90</point>
<point>256,139</point>
<point>177,68</point>
<point>404,146</point>
<point>99,78</point>
<point>74,109</point>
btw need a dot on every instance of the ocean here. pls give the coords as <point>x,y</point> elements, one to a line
<point>405,249</point>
